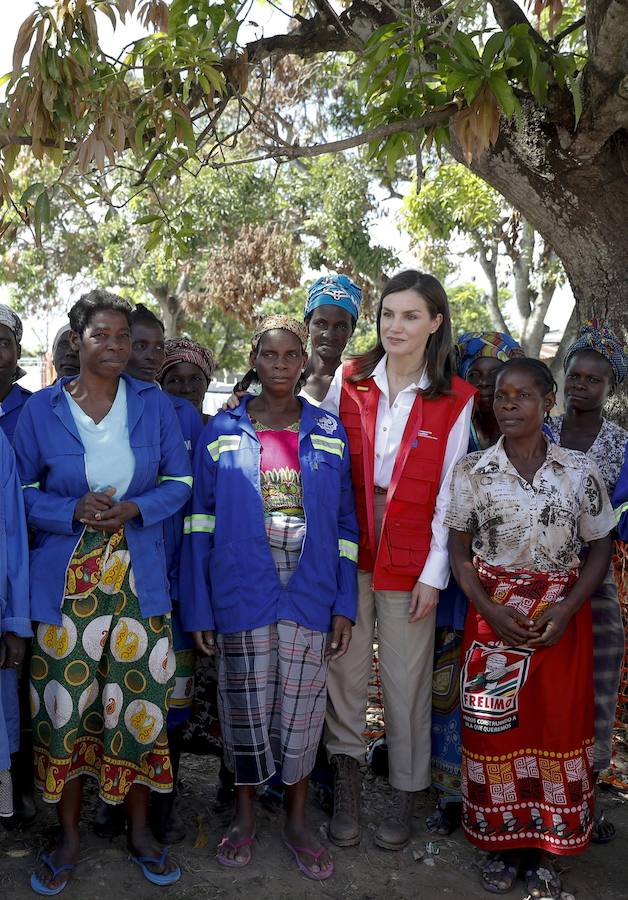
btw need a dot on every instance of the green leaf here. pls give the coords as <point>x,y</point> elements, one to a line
<point>472,86</point>
<point>42,208</point>
<point>503,92</point>
<point>154,237</point>
<point>402,67</point>
<point>382,31</point>
<point>394,150</point>
<point>215,78</point>
<point>146,220</point>
<point>72,193</point>
<point>455,81</point>
<point>30,192</point>
<point>188,132</point>
<point>574,87</point>
<point>139,133</point>
<point>538,82</point>
<point>493,47</point>
<point>465,48</point>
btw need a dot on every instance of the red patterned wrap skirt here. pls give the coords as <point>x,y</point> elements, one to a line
<point>527,723</point>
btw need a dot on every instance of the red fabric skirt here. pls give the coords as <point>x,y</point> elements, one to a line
<point>527,723</point>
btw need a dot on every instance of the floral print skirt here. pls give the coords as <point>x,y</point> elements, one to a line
<point>100,681</point>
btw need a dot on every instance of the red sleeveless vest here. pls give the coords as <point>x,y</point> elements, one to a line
<point>404,543</point>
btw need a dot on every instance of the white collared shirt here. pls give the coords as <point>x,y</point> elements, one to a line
<point>389,428</point>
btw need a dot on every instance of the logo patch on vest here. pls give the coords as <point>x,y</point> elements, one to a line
<point>328,424</point>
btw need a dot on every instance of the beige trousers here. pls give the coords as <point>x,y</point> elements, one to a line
<point>406,659</point>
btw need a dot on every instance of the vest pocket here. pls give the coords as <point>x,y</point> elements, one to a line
<point>417,488</point>
<point>404,546</point>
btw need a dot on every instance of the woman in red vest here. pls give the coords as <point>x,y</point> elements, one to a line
<point>407,417</point>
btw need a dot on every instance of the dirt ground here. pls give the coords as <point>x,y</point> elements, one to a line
<point>362,873</point>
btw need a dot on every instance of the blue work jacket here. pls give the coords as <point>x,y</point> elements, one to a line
<point>228,577</point>
<point>11,409</point>
<point>620,499</point>
<point>191,426</point>
<point>51,463</point>
<point>14,600</point>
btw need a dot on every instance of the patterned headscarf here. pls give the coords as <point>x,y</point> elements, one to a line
<point>603,341</point>
<point>270,323</point>
<point>489,344</point>
<point>14,324</point>
<point>336,290</point>
<point>183,350</point>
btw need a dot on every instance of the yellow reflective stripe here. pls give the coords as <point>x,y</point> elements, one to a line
<point>185,479</point>
<point>199,524</point>
<point>620,511</point>
<point>329,444</point>
<point>222,443</point>
<point>348,549</point>
<point>35,485</point>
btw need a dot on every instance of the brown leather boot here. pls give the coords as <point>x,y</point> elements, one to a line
<point>344,827</point>
<point>394,830</point>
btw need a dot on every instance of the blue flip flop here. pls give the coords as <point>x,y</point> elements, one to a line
<point>155,877</point>
<point>40,888</point>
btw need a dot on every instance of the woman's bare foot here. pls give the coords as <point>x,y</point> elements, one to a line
<point>141,843</point>
<point>317,860</point>
<point>235,847</point>
<point>66,853</point>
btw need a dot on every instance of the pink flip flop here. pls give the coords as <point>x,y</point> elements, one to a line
<point>234,845</point>
<point>324,874</point>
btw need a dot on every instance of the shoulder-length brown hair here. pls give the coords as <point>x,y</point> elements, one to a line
<point>439,351</point>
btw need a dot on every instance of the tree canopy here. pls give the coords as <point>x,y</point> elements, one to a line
<point>535,101</point>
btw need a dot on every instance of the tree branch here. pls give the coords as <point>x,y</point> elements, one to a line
<point>382,131</point>
<point>489,267</point>
<point>25,141</point>
<point>509,13</point>
<point>556,41</point>
<point>316,35</point>
<point>522,266</point>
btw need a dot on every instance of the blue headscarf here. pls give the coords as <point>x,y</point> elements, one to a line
<point>335,290</point>
<point>491,344</point>
<point>603,341</point>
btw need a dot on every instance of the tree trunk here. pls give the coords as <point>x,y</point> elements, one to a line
<point>488,256</point>
<point>170,306</point>
<point>579,208</point>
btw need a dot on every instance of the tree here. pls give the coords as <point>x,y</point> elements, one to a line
<point>455,204</point>
<point>232,242</point>
<point>540,120</point>
<point>469,311</point>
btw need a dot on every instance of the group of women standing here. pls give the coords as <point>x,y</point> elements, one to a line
<point>328,501</point>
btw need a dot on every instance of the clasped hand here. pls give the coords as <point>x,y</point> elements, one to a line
<point>12,650</point>
<point>98,510</point>
<point>516,630</point>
